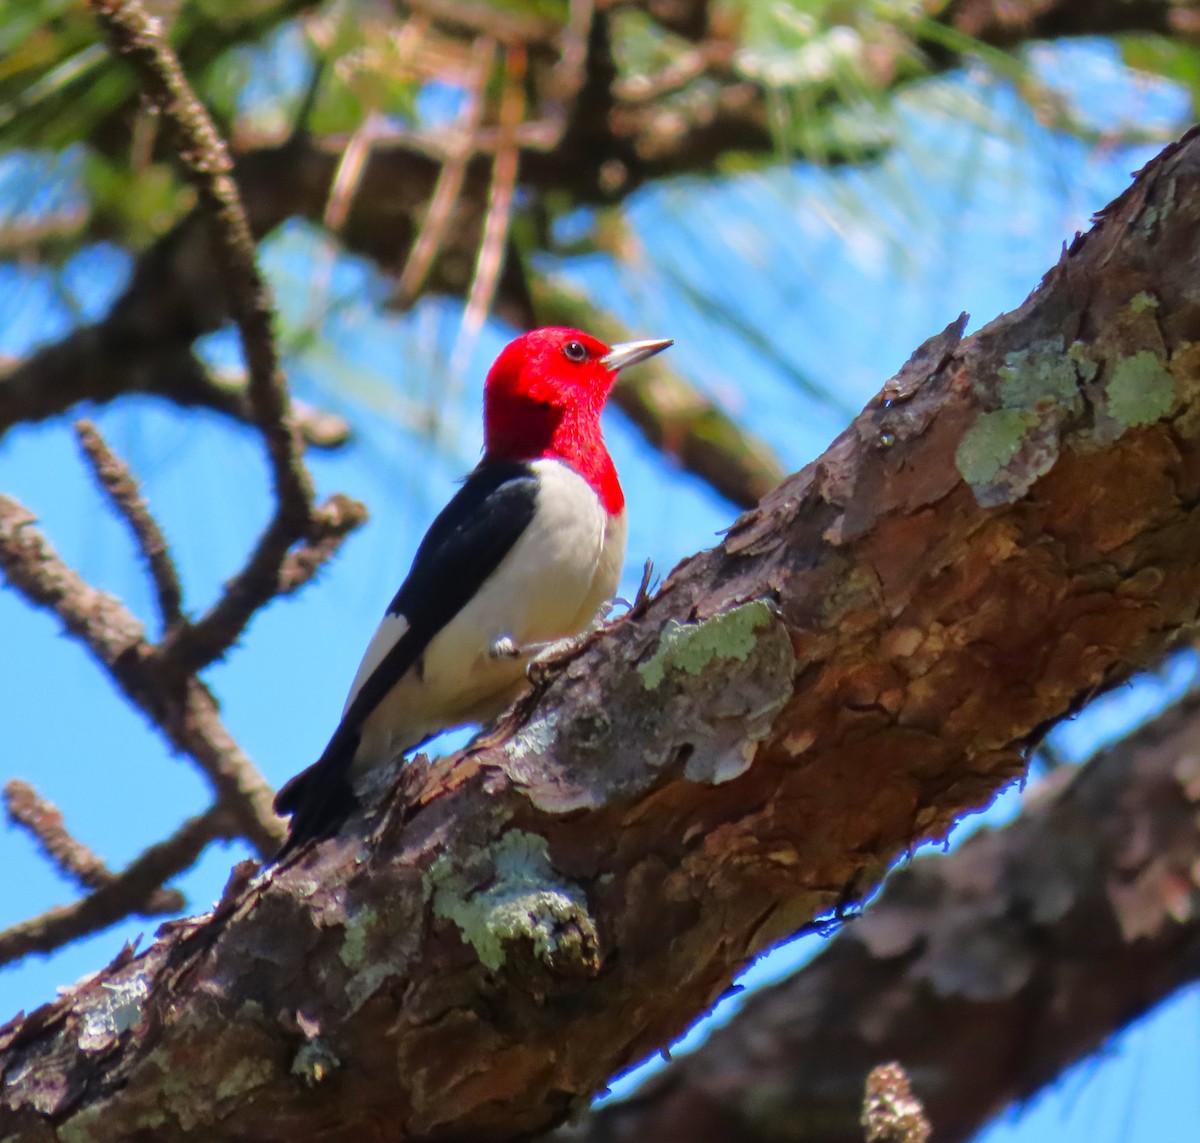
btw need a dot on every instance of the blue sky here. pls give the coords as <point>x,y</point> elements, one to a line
<point>844,273</point>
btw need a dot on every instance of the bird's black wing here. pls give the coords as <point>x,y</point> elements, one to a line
<point>463,546</point>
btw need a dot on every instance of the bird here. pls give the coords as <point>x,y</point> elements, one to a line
<point>527,554</point>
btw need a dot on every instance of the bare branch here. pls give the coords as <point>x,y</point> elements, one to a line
<point>449,182</point>
<point>116,480</point>
<point>137,37</point>
<point>137,889</point>
<point>337,518</point>
<point>180,707</point>
<point>43,820</point>
<point>90,365</point>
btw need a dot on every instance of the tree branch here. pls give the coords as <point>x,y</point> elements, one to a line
<point>27,809</point>
<point>183,711</point>
<point>1054,933</point>
<point>1009,527</point>
<point>95,363</point>
<point>114,477</point>
<point>137,889</point>
<point>137,37</point>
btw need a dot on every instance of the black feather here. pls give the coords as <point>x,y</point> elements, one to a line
<point>462,548</point>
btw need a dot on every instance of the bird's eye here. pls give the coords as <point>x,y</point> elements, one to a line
<point>575,351</point>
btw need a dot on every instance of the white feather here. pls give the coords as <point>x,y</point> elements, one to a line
<point>551,585</point>
<point>389,632</point>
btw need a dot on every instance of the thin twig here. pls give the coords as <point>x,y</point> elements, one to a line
<point>206,162</point>
<point>117,481</point>
<point>130,892</point>
<point>499,210</point>
<point>349,171</point>
<point>570,72</point>
<point>449,183</point>
<point>181,708</point>
<point>43,820</point>
<point>340,515</point>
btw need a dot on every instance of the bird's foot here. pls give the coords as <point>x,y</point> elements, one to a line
<point>542,656</point>
<point>550,655</point>
<point>645,593</point>
<point>506,647</point>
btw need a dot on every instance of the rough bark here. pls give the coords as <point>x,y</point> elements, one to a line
<point>1010,526</point>
<point>985,972</point>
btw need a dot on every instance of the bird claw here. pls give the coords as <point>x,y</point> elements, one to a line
<point>550,655</point>
<point>645,592</point>
<point>505,648</point>
<point>646,588</point>
<point>542,656</point>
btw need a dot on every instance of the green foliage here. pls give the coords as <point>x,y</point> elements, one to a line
<point>1176,60</point>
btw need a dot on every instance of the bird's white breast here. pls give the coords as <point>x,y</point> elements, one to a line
<point>552,584</point>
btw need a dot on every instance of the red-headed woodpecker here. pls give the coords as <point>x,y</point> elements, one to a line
<point>528,552</point>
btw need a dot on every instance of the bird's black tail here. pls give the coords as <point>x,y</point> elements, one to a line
<point>321,797</point>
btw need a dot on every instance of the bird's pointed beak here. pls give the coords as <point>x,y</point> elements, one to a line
<point>628,353</point>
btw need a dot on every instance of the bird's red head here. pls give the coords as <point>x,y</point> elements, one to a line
<point>543,398</point>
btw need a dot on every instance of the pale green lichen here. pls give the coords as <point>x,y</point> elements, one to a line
<point>90,1124</point>
<point>1140,390</point>
<point>990,444</point>
<point>354,944</point>
<point>691,647</point>
<point>536,738</point>
<point>523,900</point>
<point>1044,373</point>
<point>244,1076</point>
<point>1007,449</point>
<point>1084,364</point>
<point>370,950</point>
<point>1143,301</point>
<point>1153,215</point>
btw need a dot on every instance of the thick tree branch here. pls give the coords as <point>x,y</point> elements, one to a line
<point>97,363</point>
<point>1005,25</point>
<point>1010,526</point>
<point>1052,934</point>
